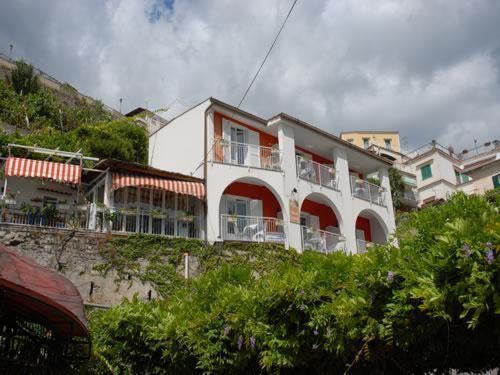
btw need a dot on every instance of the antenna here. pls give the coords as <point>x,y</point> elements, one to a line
<point>10,52</point>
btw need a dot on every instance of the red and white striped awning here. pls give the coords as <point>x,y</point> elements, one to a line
<point>196,189</point>
<point>60,172</point>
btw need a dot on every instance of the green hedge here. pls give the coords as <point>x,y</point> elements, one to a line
<point>430,305</point>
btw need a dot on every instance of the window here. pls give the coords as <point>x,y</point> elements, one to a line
<point>461,178</point>
<point>366,142</point>
<point>496,181</point>
<point>426,172</point>
<point>387,143</point>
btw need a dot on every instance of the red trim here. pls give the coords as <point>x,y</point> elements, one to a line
<point>326,215</point>
<point>270,205</point>
<point>364,224</point>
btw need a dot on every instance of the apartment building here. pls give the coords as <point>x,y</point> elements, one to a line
<point>435,171</point>
<point>278,180</point>
<point>388,140</point>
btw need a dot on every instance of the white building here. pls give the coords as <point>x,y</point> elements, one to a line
<point>279,180</point>
<point>437,171</point>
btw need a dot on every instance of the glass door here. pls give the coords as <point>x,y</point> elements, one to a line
<point>238,146</point>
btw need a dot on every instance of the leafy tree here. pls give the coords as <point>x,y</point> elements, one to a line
<point>23,78</point>
<point>397,187</point>
<point>430,305</point>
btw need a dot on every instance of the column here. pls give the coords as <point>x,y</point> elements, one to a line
<point>385,182</point>
<point>348,227</point>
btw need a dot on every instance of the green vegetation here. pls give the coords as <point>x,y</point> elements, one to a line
<point>397,187</point>
<point>430,305</point>
<point>65,120</point>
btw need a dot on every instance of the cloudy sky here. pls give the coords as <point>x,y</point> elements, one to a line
<point>428,68</point>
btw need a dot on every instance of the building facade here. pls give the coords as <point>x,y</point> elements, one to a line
<point>277,180</point>
<point>364,139</point>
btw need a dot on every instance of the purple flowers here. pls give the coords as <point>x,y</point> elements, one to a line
<point>240,342</point>
<point>390,276</point>
<point>466,249</point>
<point>227,329</point>
<point>315,332</point>
<point>490,256</point>
<point>252,342</point>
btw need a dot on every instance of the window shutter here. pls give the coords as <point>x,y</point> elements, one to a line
<point>426,172</point>
<point>253,148</point>
<point>496,181</point>
<point>256,207</point>
<point>226,135</point>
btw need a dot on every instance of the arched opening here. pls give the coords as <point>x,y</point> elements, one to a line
<point>370,229</point>
<point>320,225</point>
<point>251,211</point>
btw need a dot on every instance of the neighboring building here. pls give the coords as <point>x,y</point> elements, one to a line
<point>439,172</point>
<point>149,120</point>
<point>387,139</point>
<point>278,180</point>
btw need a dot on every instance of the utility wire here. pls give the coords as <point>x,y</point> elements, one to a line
<point>267,55</point>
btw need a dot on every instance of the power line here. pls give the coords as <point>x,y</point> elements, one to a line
<point>267,55</point>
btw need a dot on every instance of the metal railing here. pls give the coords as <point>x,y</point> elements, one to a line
<point>321,241</point>
<point>368,191</point>
<point>247,155</point>
<point>363,245</point>
<point>252,228</point>
<point>316,173</point>
<point>146,221</point>
<point>75,218</point>
<point>410,195</point>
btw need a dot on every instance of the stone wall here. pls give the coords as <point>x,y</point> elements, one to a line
<point>75,254</point>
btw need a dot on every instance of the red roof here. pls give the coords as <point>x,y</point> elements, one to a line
<point>40,294</point>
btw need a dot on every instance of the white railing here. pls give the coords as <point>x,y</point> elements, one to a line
<point>316,173</point>
<point>247,155</point>
<point>252,228</point>
<point>75,218</point>
<point>363,245</point>
<point>148,221</point>
<point>321,241</point>
<point>366,190</point>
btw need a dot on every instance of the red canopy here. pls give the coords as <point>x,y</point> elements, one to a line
<point>41,294</point>
<point>60,172</point>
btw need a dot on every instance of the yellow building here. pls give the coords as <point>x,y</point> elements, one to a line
<point>364,139</point>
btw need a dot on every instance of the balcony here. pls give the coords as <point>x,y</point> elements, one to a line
<point>363,246</point>
<point>252,229</point>
<point>247,155</point>
<point>321,241</point>
<point>49,216</point>
<point>166,223</point>
<point>410,196</point>
<point>316,173</point>
<point>367,191</point>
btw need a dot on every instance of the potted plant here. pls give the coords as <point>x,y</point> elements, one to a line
<point>49,212</point>
<point>110,215</point>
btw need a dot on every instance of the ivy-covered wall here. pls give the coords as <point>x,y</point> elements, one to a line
<point>107,268</point>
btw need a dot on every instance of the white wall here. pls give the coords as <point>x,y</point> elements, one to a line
<point>179,146</point>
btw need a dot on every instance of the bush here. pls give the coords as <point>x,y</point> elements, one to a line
<point>430,305</point>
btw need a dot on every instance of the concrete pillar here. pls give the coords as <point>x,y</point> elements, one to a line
<point>287,147</point>
<point>348,221</point>
<point>383,174</point>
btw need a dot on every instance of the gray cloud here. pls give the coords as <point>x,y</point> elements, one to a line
<point>429,69</point>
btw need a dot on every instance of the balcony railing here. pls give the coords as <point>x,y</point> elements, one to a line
<point>368,191</point>
<point>70,218</point>
<point>321,241</point>
<point>247,155</point>
<point>252,228</point>
<point>410,195</point>
<point>316,173</point>
<point>363,245</point>
<point>148,221</point>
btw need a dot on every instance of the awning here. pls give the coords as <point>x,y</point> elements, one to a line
<point>196,189</point>
<point>40,294</point>
<point>60,172</point>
